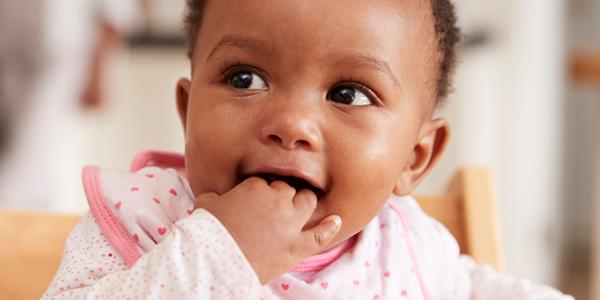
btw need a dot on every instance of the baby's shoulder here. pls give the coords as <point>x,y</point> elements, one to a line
<point>436,251</point>
<point>137,208</point>
<point>417,221</point>
<point>151,187</point>
<point>423,228</point>
<point>155,178</point>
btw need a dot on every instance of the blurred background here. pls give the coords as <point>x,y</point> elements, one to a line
<point>93,82</point>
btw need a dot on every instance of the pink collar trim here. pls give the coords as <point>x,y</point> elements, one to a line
<point>319,261</point>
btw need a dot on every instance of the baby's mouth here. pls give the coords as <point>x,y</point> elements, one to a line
<point>293,181</point>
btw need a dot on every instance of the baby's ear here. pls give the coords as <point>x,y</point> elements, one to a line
<point>432,141</point>
<point>183,95</point>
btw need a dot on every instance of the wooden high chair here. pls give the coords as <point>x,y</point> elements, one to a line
<point>32,243</point>
<point>585,66</point>
<point>31,246</point>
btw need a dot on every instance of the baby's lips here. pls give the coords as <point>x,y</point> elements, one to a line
<point>287,171</point>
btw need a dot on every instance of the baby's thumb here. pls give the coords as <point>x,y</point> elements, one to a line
<point>319,236</point>
<point>203,200</point>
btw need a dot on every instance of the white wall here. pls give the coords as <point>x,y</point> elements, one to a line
<point>140,113</point>
<point>507,114</point>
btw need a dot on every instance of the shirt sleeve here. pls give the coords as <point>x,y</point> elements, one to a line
<point>198,259</point>
<point>490,285</point>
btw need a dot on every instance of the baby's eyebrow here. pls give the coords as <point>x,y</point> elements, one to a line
<point>240,41</point>
<point>370,62</point>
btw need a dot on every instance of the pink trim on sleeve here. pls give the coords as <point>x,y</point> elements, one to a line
<point>411,250</point>
<point>109,224</point>
<point>158,158</point>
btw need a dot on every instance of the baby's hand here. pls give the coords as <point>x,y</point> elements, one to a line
<point>266,221</point>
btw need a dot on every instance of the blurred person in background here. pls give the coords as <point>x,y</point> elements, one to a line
<point>51,58</point>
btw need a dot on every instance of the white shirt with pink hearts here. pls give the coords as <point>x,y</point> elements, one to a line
<point>142,240</point>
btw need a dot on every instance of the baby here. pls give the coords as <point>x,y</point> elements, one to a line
<point>307,125</point>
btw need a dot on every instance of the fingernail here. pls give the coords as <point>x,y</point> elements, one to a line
<point>337,221</point>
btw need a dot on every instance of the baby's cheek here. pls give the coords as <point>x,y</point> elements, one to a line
<point>209,170</point>
<point>357,206</point>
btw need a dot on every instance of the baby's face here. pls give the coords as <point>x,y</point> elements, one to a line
<point>335,96</point>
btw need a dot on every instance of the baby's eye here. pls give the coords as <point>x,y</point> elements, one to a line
<point>349,95</point>
<point>248,81</point>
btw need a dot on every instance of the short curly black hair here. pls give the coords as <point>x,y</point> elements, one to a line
<point>445,23</point>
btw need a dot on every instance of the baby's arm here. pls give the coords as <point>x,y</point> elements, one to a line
<point>198,259</point>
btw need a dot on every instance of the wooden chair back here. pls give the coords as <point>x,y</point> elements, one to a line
<point>30,251</point>
<point>585,66</point>
<point>32,243</point>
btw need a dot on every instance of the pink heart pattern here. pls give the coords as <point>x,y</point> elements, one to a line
<point>167,195</point>
<point>161,230</point>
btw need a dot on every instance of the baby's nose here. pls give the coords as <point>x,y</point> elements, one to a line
<point>292,126</point>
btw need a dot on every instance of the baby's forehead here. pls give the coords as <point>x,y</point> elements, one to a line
<point>317,18</point>
<point>393,38</point>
